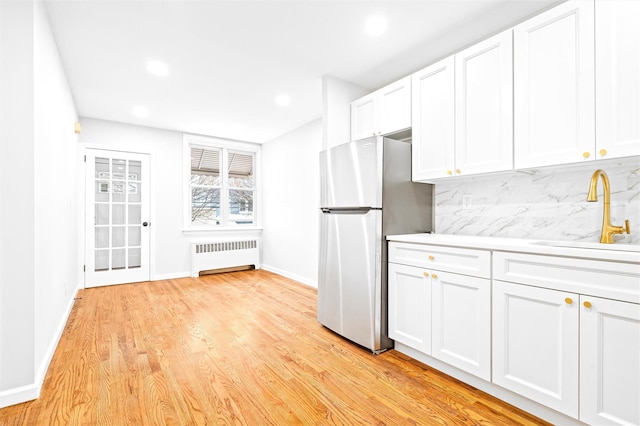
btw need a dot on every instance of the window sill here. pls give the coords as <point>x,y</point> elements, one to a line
<point>223,230</point>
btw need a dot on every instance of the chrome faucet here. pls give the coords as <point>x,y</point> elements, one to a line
<point>608,230</point>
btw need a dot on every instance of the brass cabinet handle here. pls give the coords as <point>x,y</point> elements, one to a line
<point>587,304</point>
<point>431,257</point>
<point>434,275</point>
<point>449,172</point>
<point>627,227</point>
<point>586,154</point>
<point>458,171</point>
<point>568,301</point>
<point>603,152</point>
<point>425,274</point>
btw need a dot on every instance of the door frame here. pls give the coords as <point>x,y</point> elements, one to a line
<point>82,188</point>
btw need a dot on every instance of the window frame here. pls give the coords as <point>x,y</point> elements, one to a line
<point>225,146</point>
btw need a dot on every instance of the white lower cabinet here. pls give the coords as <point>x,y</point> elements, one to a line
<point>561,331</point>
<point>409,306</point>
<point>442,314</point>
<point>576,353</point>
<point>461,322</point>
<point>609,362</point>
<point>535,344</point>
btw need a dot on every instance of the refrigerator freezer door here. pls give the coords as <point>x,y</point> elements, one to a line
<point>349,281</point>
<point>351,174</point>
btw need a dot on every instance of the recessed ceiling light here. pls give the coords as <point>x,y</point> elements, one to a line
<point>283,100</point>
<point>375,26</point>
<point>158,68</point>
<point>140,111</point>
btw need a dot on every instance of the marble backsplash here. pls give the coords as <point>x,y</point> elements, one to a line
<point>540,204</point>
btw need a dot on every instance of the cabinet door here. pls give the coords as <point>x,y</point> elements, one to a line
<point>394,106</point>
<point>535,344</point>
<point>432,110</point>
<point>484,106</point>
<point>461,322</point>
<point>410,306</point>
<point>617,81</point>
<point>609,362</point>
<point>554,86</point>
<point>363,118</point>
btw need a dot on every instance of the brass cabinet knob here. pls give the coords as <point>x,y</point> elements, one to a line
<point>434,275</point>
<point>425,274</point>
<point>568,301</point>
<point>586,154</point>
<point>587,304</point>
<point>458,171</point>
<point>603,152</point>
<point>449,172</point>
<point>431,257</point>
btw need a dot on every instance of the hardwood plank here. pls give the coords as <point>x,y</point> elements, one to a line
<point>241,348</point>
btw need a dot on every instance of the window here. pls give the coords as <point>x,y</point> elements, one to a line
<point>222,185</point>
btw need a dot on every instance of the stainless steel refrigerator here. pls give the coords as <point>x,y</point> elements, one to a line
<point>366,194</point>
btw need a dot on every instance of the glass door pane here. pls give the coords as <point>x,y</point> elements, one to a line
<point>118,214</point>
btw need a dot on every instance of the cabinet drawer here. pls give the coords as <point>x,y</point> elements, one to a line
<point>450,259</point>
<point>612,280</point>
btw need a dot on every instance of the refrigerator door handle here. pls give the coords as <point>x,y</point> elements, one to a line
<point>347,210</point>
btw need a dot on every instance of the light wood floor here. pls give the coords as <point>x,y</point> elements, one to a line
<point>241,348</point>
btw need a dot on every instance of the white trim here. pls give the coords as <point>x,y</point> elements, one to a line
<point>19,395</point>
<point>172,276</point>
<point>226,145</point>
<point>238,229</point>
<point>492,389</point>
<point>122,148</point>
<point>211,141</point>
<point>32,391</point>
<point>44,366</point>
<point>152,202</point>
<point>292,276</point>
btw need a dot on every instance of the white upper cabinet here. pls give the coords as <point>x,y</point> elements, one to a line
<point>384,111</point>
<point>484,106</point>
<point>463,112</point>
<point>617,78</point>
<point>432,110</point>
<point>554,86</point>
<point>363,117</point>
<point>394,107</point>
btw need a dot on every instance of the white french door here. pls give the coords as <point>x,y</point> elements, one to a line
<point>117,217</point>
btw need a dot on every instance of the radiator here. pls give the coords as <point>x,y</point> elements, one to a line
<point>224,254</point>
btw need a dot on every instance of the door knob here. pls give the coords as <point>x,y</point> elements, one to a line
<point>145,223</point>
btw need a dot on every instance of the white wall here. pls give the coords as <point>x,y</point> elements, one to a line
<point>170,247</point>
<point>291,191</point>
<point>17,194</point>
<point>337,96</point>
<point>38,252</point>
<point>548,204</point>
<point>56,213</point>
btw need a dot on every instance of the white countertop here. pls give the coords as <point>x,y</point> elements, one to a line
<point>620,252</point>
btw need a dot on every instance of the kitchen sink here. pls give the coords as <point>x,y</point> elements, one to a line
<point>593,246</point>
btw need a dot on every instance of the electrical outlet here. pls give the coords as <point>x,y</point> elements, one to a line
<point>467,201</point>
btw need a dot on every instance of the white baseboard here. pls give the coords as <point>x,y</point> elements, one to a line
<point>19,395</point>
<point>512,398</point>
<point>299,278</point>
<point>44,366</point>
<point>32,391</point>
<point>159,277</point>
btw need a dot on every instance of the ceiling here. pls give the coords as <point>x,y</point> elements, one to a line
<point>229,59</point>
